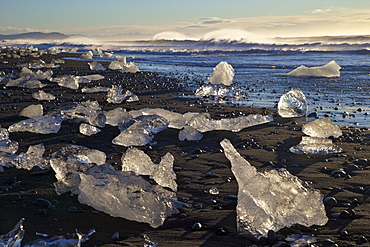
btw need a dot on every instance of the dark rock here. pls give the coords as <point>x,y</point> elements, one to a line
<point>196,227</point>
<point>344,214</point>
<point>330,201</point>
<point>271,237</point>
<point>115,236</point>
<point>41,202</point>
<point>338,173</point>
<point>220,231</point>
<point>362,240</point>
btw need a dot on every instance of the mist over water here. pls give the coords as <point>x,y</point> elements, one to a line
<point>260,67</point>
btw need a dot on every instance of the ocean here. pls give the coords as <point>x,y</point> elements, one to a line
<point>261,69</point>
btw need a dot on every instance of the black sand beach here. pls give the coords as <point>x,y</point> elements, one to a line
<point>265,146</point>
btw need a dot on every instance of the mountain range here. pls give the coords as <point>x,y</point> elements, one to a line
<point>35,35</point>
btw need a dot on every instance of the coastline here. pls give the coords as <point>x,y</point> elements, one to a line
<point>192,159</point>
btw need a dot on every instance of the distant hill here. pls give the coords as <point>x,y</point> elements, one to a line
<point>35,35</point>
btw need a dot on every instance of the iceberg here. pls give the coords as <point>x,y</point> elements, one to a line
<point>223,74</point>
<point>203,123</point>
<point>323,128</point>
<point>140,163</point>
<point>293,104</point>
<point>123,194</point>
<point>141,131</point>
<point>88,130</point>
<point>272,199</point>
<point>14,237</point>
<point>190,134</point>
<point>41,95</point>
<point>315,145</point>
<point>33,157</point>
<point>40,125</point>
<point>94,65</point>
<point>71,160</point>
<point>331,69</point>
<point>32,111</point>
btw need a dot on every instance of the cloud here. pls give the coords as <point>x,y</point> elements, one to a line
<point>212,20</point>
<point>320,11</point>
<point>12,30</point>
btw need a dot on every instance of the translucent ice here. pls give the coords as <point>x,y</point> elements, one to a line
<point>68,81</point>
<point>96,89</point>
<point>315,145</point>
<point>40,125</point>
<point>33,157</point>
<point>141,131</point>
<point>14,237</point>
<point>6,145</point>
<point>216,90</point>
<point>293,104</point>
<point>122,194</point>
<point>71,160</point>
<point>41,95</point>
<point>88,130</point>
<point>203,123</point>
<point>115,95</point>
<point>272,199</point>
<point>87,55</point>
<point>94,77</point>
<point>190,134</point>
<point>223,74</point>
<point>88,111</point>
<point>331,69</point>
<point>323,128</point>
<point>122,65</point>
<point>32,111</point>
<point>117,116</point>
<point>70,240</point>
<point>133,98</point>
<point>140,163</point>
<point>94,65</point>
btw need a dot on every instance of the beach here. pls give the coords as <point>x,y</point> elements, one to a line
<point>265,146</point>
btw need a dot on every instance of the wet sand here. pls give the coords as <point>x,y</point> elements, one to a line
<point>265,146</point>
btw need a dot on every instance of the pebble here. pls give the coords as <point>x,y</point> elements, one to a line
<point>271,237</point>
<point>196,227</point>
<point>330,201</point>
<point>220,231</point>
<point>344,214</point>
<point>41,202</point>
<point>362,240</point>
<point>211,175</point>
<point>351,168</point>
<point>115,236</point>
<point>338,173</point>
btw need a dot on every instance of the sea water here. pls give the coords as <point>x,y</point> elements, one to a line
<point>261,70</point>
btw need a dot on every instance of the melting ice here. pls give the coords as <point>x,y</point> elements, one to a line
<point>315,145</point>
<point>293,104</point>
<point>323,128</point>
<point>272,199</point>
<point>223,74</point>
<point>332,69</point>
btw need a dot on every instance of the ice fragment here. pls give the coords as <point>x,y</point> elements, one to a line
<point>33,157</point>
<point>68,81</point>
<point>140,163</point>
<point>88,111</point>
<point>331,69</point>
<point>88,130</point>
<point>87,55</point>
<point>40,125</point>
<point>190,134</point>
<point>32,111</point>
<point>6,145</point>
<point>323,128</point>
<point>117,116</point>
<point>94,65</point>
<point>122,194</point>
<point>41,95</point>
<point>223,74</point>
<point>14,237</point>
<point>115,95</point>
<point>315,145</point>
<point>272,199</point>
<point>216,91</point>
<point>293,104</point>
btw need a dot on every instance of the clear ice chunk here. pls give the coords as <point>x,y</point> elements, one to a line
<point>33,157</point>
<point>88,130</point>
<point>88,55</point>
<point>93,77</point>
<point>141,131</point>
<point>123,194</point>
<point>68,81</point>
<point>41,95</point>
<point>223,74</point>
<point>293,104</point>
<point>71,160</point>
<point>6,145</point>
<point>272,199</point>
<point>117,116</point>
<point>315,145</point>
<point>217,91</point>
<point>14,237</point>
<point>203,123</point>
<point>40,125</point>
<point>94,65</point>
<point>331,69</point>
<point>96,89</point>
<point>133,98</point>
<point>190,134</point>
<point>139,162</point>
<point>69,240</point>
<point>122,65</point>
<point>33,84</point>
<point>32,111</point>
<point>88,111</point>
<point>323,128</point>
<point>115,95</point>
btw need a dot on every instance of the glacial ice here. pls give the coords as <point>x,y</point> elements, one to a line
<point>94,65</point>
<point>33,157</point>
<point>14,237</point>
<point>32,111</point>
<point>115,95</point>
<point>331,69</point>
<point>117,116</point>
<point>69,240</point>
<point>122,65</point>
<point>141,131</point>
<point>323,128</point>
<point>315,145</point>
<point>122,194</point>
<point>132,98</point>
<point>93,77</point>
<point>217,91</point>
<point>139,162</point>
<point>96,89</point>
<point>6,145</point>
<point>190,134</point>
<point>203,123</point>
<point>41,95</point>
<point>293,104</point>
<point>223,74</point>
<point>88,111</point>
<point>68,81</point>
<point>40,125</point>
<point>88,55</point>
<point>71,160</point>
<point>88,130</point>
<point>272,199</point>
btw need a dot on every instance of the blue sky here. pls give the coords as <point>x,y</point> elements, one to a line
<point>190,18</point>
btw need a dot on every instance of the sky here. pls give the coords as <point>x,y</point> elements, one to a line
<point>143,19</point>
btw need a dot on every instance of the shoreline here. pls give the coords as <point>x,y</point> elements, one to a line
<point>193,159</point>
